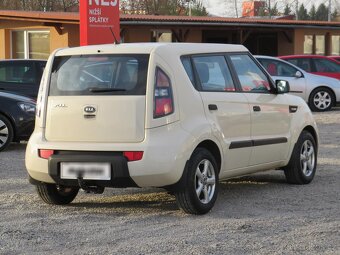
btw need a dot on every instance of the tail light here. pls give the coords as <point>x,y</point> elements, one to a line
<point>133,155</point>
<point>163,99</point>
<point>46,154</point>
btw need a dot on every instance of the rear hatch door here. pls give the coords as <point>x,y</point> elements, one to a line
<point>97,98</point>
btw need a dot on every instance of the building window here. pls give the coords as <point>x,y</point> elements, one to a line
<point>162,36</point>
<point>30,44</point>
<point>308,44</point>
<point>314,44</point>
<point>320,44</point>
<point>335,45</point>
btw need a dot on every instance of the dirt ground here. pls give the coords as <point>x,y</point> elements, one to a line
<point>257,214</point>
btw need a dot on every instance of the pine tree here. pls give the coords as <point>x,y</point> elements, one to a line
<point>322,12</point>
<point>312,13</point>
<point>302,13</point>
<point>287,10</point>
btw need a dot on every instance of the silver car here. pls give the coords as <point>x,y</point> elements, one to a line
<point>320,92</point>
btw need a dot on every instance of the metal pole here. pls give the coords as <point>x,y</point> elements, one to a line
<point>329,10</point>
<point>297,10</point>
<point>236,9</point>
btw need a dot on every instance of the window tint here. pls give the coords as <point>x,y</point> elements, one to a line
<point>188,68</point>
<point>278,68</point>
<point>326,66</point>
<point>82,75</point>
<point>251,77</point>
<point>17,72</point>
<point>303,63</point>
<point>214,73</point>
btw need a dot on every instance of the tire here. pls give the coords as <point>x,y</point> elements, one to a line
<point>55,194</point>
<point>302,165</point>
<point>199,184</point>
<point>321,100</point>
<point>6,132</point>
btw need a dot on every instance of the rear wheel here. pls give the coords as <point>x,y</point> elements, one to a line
<point>56,194</point>
<point>302,165</point>
<point>6,132</point>
<point>321,99</point>
<point>199,189</point>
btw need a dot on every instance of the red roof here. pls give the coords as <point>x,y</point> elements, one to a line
<point>73,17</point>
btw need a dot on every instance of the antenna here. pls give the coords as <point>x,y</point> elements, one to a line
<point>116,41</point>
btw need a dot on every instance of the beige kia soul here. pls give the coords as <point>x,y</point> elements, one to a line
<point>176,116</point>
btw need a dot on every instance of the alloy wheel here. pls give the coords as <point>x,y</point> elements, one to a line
<point>307,158</point>
<point>205,181</point>
<point>4,133</point>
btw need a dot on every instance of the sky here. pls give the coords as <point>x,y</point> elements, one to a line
<point>227,7</point>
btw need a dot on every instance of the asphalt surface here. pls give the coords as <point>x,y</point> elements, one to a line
<point>256,214</point>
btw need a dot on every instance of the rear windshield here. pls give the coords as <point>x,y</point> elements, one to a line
<point>99,74</point>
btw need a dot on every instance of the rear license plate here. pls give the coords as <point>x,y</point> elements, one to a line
<point>88,171</point>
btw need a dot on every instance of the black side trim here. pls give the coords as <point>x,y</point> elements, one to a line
<point>253,143</point>
<point>241,144</point>
<point>270,141</point>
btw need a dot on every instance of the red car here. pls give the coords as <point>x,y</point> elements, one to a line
<point>316,64</point>
<point>337,58</point>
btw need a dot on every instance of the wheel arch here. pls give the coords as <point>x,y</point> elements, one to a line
<point>312,131</point>
<point>323,87</point>
<point>213,148</point>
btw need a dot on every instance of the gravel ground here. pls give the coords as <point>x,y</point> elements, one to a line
<point>257,214</point>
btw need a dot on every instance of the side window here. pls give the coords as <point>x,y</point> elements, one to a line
<point>188,68</point>
<point>251,77</point>
<point>304,64</point>
<point>17,73</point>
<point>214,73</point>
<point>323,65</point>
<point>278,68</point>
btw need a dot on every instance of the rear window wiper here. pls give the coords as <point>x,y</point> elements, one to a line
<point>99,90</point>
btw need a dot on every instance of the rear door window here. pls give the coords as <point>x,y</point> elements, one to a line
<point>17,72</point>
<point>326,66</point>
<point>213,73</point>
<point>99,74</point>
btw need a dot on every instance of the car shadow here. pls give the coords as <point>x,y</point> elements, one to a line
<point>232,191</point>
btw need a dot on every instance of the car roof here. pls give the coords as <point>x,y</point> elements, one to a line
<point>304,56</point>
<point>23,60</point>
<point>148,48</point>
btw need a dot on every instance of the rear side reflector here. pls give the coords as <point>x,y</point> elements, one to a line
<point>133,155</point>
<point>46,154</point>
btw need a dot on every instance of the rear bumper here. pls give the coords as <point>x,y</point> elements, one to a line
<point>163,162</point>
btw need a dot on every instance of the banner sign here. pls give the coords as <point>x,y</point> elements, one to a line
<point>98,20</point>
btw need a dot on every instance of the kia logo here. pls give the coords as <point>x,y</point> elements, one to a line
<point>90,109</point>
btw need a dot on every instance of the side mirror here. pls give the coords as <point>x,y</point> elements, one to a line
<point>298,74</point>
<point>282,86</point>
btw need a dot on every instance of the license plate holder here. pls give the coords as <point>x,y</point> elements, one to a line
<point>88,170</point>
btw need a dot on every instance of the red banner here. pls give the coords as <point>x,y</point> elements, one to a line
<point>99,19</point>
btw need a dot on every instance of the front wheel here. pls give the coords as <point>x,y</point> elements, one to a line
<point>198,192</point>
<point>302,165</point>
<point>321,100</point>
<point>56,194</point>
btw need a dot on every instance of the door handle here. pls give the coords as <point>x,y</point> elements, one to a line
<point>212,107</point>
<point>256,108</point>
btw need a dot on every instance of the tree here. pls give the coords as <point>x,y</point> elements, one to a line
<point>197,9</point>
<point>312,13</point>
<point>334,15</point>
<point>163,7</point>
<point>287,10</point>
<point>302,13</point>
<point>321,12</point>
<point>274,11</point>
<point>39,5</point>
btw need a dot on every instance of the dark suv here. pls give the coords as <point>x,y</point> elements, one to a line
<point>21,76</point>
